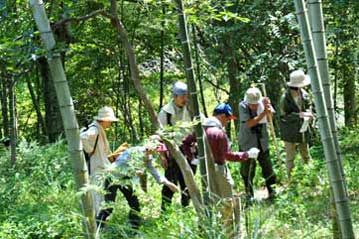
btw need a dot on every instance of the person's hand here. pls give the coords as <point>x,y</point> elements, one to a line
<point>171,185</point>
<point>112,158</point>
<point>267,105</point>
<point>164,162</point>
<point>253,153</point>
<point>306,114</point>
<point>140,173</point>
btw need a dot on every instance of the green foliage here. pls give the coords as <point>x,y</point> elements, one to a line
<point>37,195</point>
<point>38,201</point>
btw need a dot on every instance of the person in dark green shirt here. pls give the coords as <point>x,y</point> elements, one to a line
<point>295,115</point>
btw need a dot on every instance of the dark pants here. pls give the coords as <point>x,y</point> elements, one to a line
<point>173,173</point>
<point>248,169</point>
<point>132,201</point>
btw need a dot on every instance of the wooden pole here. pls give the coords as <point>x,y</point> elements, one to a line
<point>271,128</point>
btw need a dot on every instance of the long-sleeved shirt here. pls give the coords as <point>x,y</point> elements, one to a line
<point>219,143</point>
<point>170,114</point>
<point>123,162</point>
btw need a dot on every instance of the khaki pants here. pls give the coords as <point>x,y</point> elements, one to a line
<point>224,180</point>
<point>291,150</point>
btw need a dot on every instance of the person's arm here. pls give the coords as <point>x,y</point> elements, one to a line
<point>227,153</point>
<point>267,110</point>
<point>156,175</point>
<point>153,171</point>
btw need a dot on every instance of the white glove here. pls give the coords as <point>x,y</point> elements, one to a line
<point>195,161</point>
<point>253,153</point>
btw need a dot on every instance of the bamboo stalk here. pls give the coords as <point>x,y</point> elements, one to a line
<point>193,92</point>
<point>318,31</point>
<point>68,115</point>
<point>335,175</point>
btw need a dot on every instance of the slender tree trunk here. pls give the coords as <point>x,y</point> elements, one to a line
<point>40,119</point>
<point>187,175</point>
<point>4,107</point>
<point>134,135</point>
<point>140,119</point>
<point>335,175</point>
<point>336,71</point>
<point>234,81</point>
<point>162,52</point>
<point>1,126</point>
<point>12,111</point>
<point>348,89</point>
<point>317,24</point>
<point>193,92</point>
<point>198,71</point>
<point>68,115</point>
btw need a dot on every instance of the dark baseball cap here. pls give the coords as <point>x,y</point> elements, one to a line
<point>224,108</point>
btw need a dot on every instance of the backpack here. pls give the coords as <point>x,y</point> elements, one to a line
<point>89,155</point>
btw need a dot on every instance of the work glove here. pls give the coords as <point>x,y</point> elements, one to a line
<point>253,153</point>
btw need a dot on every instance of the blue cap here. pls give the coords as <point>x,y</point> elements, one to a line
<point>180,88</point>
<point>224,108</point>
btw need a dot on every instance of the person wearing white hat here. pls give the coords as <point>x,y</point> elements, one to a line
<point>295,113</point>
<point>253,111</point>
<point>170,114</point>
<point>95,143</point>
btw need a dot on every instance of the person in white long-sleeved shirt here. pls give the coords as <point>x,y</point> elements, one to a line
<point>95,143</point>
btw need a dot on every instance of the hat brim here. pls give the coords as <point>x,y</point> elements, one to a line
<point>108,119</point>
<point>253,102</point>
<point>306,82</point>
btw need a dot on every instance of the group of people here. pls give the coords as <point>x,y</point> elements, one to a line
<point>254,114</point>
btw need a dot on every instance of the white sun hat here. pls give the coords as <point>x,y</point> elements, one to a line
<point>106,114</point>
<point>253,96</point>
<point>298,79</point>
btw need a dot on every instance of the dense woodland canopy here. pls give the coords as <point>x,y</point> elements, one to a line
<point>234,44</point>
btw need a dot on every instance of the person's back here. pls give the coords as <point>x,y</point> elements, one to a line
<point>100,149</point>
<point>98,160</point>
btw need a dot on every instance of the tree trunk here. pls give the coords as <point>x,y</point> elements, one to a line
<point>198,71</point>
<point>68,115</point>
<point>12,111</point>
<point>140,119</point>
<point>348,90</point>
<point>187,175</point>
<point>193,92</point>
<point>4,107</point>
<point>234,82</point>
<point>40,119</point>
<point>162,52</point>
<point>335,175</point>
<point>134,135</point>
<point>52,112</point>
